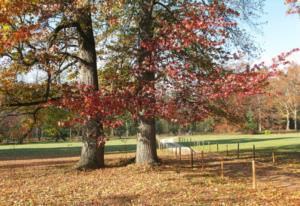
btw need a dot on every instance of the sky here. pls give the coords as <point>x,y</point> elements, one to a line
<point>280,33</point>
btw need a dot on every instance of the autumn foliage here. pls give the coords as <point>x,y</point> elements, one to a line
<point>179,61</point>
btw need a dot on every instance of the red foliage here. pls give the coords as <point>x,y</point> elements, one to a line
<point>180,93</point>
<point>88,103</point>
<point>294,6</point>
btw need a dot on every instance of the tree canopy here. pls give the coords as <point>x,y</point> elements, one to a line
<point>177,60</point>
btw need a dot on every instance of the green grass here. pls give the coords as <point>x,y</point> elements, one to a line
<point>59,149</point>
<point>278,142</point>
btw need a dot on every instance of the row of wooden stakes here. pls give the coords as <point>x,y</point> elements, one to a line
<point>178,154</point>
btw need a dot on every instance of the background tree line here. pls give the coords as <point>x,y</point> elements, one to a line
<point>274,110</point>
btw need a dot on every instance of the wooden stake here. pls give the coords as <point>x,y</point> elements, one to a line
<point>180,153</point>
<point>227,153</point>
<point>238,151</point>
<point>222,169</point>
<point>254,152</point>
<point>273,157</point>
<point>253,175</point>
<point>192,159</point>
<point>202,159</point>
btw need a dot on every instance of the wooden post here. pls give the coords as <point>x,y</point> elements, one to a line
<point>227,153</point>
<point>254,152</point>
<point>180,153</point>
<point>273,157</point>
<point>238,150</point>
<point>192,158</point>
<point>202,159</point>
<point>174,151</point>
<point>253,175</point>
<point>222,169</point>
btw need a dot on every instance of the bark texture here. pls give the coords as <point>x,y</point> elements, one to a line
<point>146,140</point>
<point>92,154</point>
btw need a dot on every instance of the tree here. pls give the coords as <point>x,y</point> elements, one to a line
<point>171,54</point>
<point>285,88</point>
<point>57,38</point>
<point>174,52</point>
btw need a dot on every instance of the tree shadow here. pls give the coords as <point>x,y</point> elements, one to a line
<point>112,200</point>
<point>41,153</point>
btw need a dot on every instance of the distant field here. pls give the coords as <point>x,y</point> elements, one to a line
<point>279,142</point>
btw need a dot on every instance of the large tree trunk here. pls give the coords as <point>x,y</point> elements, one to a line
<point>146,146</point>
<point>92,154</point>
<point>146,141</point>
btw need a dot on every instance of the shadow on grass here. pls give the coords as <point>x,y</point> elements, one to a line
<point>39,153</point>
<point>113,200</point>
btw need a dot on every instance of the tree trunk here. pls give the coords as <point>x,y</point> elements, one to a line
<point>112,132</point>
<point>92,155</point>
<point>146,146</point>
<point>259,121</point>
<point>70,133</point>
<point>127,129</point>
<point>146,140</point>
<point>288,121</point>
<point>295,120</point>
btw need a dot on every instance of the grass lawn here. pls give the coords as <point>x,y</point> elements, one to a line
<point>279,142</point>
<point>59,149</point>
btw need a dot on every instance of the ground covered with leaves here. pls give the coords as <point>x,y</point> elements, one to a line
<point>54,182</point>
